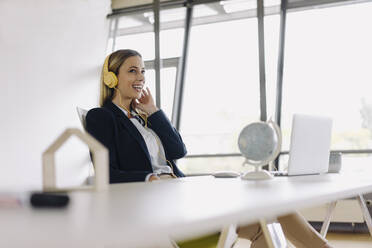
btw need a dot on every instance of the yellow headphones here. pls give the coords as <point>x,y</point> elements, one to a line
<point>109,78</point>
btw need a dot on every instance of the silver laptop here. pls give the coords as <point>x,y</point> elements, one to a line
<point>310,145</point>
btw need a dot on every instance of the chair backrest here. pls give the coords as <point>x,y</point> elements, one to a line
<point>82,113</point>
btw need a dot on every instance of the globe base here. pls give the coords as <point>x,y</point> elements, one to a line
<point>257,175</point>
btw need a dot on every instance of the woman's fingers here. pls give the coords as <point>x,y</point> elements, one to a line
<point>148,92</point>
<point>142,99</point>
<point>144,92</point>
<point>146,102</point>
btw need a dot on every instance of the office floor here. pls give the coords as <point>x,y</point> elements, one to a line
<point>338,240</point>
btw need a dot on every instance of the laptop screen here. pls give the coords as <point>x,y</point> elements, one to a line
<point>310,145</point>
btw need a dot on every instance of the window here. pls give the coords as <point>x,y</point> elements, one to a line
<point>327,54</point>
<point>135,31</point>
<point>222,86</point>
<point>327,72</point>
<point>168,79</point>
<point>143,43</point>
<point>221,93</point>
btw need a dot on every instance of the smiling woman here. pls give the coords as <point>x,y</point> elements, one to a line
<point>142,142</point>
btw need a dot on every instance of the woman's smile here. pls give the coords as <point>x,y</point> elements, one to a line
<point>138,87</point>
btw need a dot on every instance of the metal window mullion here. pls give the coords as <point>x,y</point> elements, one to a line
<point>165,63</point>
<point>157,60</point>
<point>360,151</point>
<point>219,155</point>
<point>181,69</point>
<point>280,66</point>
<point>261,49</point>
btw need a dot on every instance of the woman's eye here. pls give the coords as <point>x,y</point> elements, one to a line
<point>143,72</point>
<point>133,70</point>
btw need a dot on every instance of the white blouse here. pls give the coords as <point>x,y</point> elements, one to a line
<point>154,146</point>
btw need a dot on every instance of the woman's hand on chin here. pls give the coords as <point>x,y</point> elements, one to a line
<point>145,103</point>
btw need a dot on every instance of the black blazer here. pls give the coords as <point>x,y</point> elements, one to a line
<point>129,157</point>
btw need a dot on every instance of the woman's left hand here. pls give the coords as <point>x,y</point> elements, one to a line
<point>146,102</point>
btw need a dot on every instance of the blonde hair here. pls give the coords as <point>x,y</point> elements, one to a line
<point>116,59</point>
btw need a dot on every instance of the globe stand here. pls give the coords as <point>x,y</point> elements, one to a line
<point>257,174</point>
<point>260,143</point>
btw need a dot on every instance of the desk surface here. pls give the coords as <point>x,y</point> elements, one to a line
<point>144,214</point>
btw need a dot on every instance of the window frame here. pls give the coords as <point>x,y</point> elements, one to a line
<point>286,5</point>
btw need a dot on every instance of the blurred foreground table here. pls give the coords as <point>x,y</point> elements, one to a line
<point>148,214</point>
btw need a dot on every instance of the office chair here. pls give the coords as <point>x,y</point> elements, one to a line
<point>224,239</point>
<point>82,113</point>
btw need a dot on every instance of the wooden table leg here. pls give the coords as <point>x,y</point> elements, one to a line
<point>228,237</point>
<point>327,219</point>
<point>366,215</point>
<point>273,234</point>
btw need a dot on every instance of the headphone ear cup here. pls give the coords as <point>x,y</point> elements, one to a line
<point>110,79</point>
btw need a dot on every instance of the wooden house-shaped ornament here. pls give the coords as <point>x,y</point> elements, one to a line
<point>99,154</point>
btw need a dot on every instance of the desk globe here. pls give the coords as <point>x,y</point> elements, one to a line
<point>260,143</point>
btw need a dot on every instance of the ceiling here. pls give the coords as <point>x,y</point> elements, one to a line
<point>120,4</point>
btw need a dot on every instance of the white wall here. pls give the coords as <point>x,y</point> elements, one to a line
<point>51,53</point>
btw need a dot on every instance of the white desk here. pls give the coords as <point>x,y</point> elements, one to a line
<point>143,214</point>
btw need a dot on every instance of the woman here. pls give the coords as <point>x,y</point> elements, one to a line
<point>141,141</point>
<point>143,144</point>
